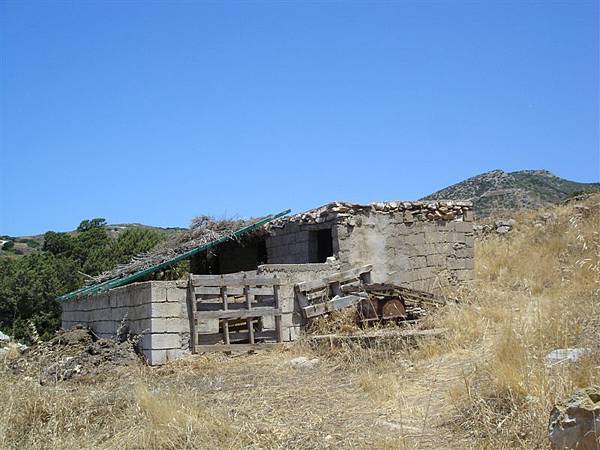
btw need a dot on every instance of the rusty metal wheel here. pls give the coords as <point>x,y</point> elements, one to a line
<point>393,309</point>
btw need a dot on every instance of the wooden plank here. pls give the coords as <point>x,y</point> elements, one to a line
<point>260,290</point>
<point>225,322</point>
<point>301,297</point>
<point>205,290</point>
<point>216,291</point>
<point>320,294</point>
<point>232,314</point>
<point>403,335</point>
<point>234,281</point>
<point>236,337</point>
<point>336,277</point>
<point>192,316</point>
<point>249,320</point>
<point>334,304</point>
<point>235,347</point>
<point>278,327</point>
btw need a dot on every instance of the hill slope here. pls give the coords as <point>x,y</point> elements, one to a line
<point>499,190</point>
<point>25,245</point>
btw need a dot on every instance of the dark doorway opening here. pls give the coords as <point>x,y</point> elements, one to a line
<point>321,245</point>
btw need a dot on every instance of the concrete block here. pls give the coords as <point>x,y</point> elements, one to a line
<point>158,292</point>
<point>436,260</point>
<point>464,253</point>
<point>167,310</point>
<point>464,227</point>
<point>434,237</point>
<point>176,294</point>
<point>105,327</point>
<point>165,341</point>
<point>415,239</point>
<point>173,325</point>
<point>417,262</point>
<point>469,263</point>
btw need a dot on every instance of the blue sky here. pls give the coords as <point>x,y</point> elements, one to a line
<point>155,112</point>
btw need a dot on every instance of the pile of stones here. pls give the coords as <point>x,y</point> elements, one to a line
<point>412,211</point>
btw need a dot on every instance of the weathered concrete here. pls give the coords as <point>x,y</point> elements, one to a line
<point>158,310</point>
<point>417,244</point>
<point>154,310</point>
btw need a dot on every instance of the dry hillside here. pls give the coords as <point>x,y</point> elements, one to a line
<point>484,385</point>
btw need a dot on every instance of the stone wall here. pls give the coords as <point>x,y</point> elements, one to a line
<point>156,310</point>
<point>423,245</point>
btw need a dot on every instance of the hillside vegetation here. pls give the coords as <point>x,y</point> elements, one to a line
<point>484,385</point>
<point>29,284</point>
<point>495,191</point>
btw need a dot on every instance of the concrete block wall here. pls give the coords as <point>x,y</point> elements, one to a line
<point>292,244</point>
<point>156,310</point>
<point>423,245</point>
<point>420,254</point>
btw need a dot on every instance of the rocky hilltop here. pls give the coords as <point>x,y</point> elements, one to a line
<point>498,190</point>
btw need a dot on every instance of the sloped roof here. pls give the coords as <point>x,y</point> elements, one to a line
<point>203,235</point>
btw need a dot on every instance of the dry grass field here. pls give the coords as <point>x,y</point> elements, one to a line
<point>484,385</point>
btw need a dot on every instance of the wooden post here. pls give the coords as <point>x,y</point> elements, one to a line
<point>249,320</point>
<point>278,329</point>
<point>192,311</point>
<point>225,321</point>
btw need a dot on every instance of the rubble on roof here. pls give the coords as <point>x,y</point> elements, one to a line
<point>204,229</point>
<point>417,210</point>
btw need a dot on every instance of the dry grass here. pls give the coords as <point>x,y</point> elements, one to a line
<point>486,385</point>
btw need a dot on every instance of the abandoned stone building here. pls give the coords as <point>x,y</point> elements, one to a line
<point>244,288</point>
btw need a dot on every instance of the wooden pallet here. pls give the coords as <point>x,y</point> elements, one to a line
<point>331,293</point>
<point>234,312</point>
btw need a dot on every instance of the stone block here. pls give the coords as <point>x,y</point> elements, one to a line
<point>415,239</point>
<point>165,341</point>
<point>166,309</point>
<point>174,325</point>
<point>417,262</point>
<point>105,327</point>
<point>159,292</point>
<point>436,260</point>
<point>464,227</point>
<point>176,294</point>
<point>464,253</point>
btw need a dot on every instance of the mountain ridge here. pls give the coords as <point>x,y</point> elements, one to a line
<point>497,190</point>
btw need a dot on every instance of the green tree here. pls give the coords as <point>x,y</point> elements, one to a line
<point>58,243</point>
<point>28,290</point>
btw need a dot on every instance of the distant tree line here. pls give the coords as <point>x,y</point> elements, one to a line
<point>30,284</point>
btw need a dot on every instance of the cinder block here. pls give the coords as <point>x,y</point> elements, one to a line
<point>417,262</point>
<point>159,292</point>
<point>464,227</point>
<point>464,253</point>
<point>167,310</point>
<point>436,260</point>
<point>165,341</point>
<point>171,325</point>
<point>176,294</point>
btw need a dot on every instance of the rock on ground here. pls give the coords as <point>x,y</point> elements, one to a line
<point>73,354</point>
<point>575,424</point>
<point>302,362</point>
